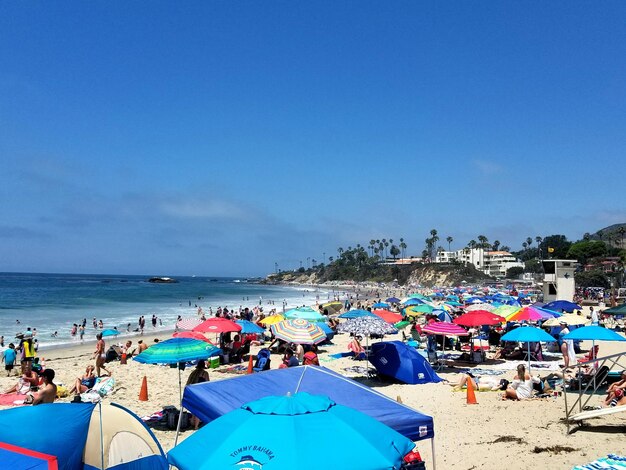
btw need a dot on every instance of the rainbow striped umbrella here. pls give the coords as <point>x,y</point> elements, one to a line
<point>506,310</point>
<point>525,314</point>
<point>444,328</point>
<point>418,310</point>
<point>298,331</point>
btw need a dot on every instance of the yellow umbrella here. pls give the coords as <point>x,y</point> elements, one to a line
<point>506,310</point>
<point>569,319</point>
<point>272,319</point>
<point>333,307</point>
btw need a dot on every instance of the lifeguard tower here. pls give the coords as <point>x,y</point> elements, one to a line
<point>558,281</point>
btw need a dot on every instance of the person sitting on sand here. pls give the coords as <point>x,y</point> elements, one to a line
<point>198,375</point>
<point>614,390</point>
<point>141,346</point>
<point>522,386</point>
<point>310,359</point>
<point>100,355</point>
<point>28,381</point>
<point>47,393</point>
<point>84,383</point>
<point>356,348</point>
<point>289,360</point>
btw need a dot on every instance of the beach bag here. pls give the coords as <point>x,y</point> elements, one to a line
<point>171,414</point>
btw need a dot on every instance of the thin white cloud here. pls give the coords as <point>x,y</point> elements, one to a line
<point>202,209</point>
<point>486,167</point>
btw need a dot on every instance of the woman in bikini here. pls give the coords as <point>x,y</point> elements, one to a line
<point>100,355</point>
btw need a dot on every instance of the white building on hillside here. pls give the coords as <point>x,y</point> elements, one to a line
<point>492,263</point>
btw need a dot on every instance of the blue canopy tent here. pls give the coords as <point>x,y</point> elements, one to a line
<point>210,400</point>
<point>400,361</point>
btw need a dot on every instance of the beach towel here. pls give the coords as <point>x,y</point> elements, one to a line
<point>11,399</point>
<point>612,461</point>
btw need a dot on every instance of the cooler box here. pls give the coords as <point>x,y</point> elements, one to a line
<point>214,362</point>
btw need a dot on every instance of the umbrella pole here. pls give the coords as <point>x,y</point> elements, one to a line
<point>528,343</point>
<point>180,414</point>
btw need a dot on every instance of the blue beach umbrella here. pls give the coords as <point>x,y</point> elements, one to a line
<point>304,313</point>
<point>302,415</point>
<point>527,334</point>
<point>412,301</point>
<point>357,313</point>
<point>380,305</point>
<point>443,315</point>
<point>563,305</point>
<point>249,328</point>
<point>594,333</point>
<point>330,334</point>
<point>110,332</point>
<point>393,300</point>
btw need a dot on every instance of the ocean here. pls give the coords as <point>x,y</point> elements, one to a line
<point>53,302</point>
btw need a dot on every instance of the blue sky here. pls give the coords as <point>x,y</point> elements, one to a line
<point>217,138</point>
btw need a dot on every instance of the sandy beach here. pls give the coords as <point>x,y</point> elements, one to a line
<point>488,435</point>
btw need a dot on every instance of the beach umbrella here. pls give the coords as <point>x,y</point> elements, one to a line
<point>563,305</point>
<point>217,325</point>
<point>363,442</point>
<point>401,324</point>
<point>478,318</point>
<point>175,351</point>
<point>110,332</point>
<point>333,307</point>
<point>445,329</point>
<point>298,331</point>
<point>442,315</point>
<point>527,334</point>
<point>619,310</point>
<point>412,301</point>
<point>366,326</point>
<point>505,310</point>
<point>418,310</point>
<point>380,305</point>
<point>188,323</point>
<point>389,317</point>
<point>525,314</point>
<point>480,306</point>
<point>304,313</point>
<point>453,303</point>
<point>356,314</point>
<point>328,331</point>
<point>393,300</point>
<point>568,319</point>
<point>594,333</point>
<point>249,328</point>
<point>191,334</point>
<point>272,319</point>
<point>547,314</point>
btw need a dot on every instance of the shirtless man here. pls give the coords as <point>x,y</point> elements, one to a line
<point>48,391</point>
<point>141,346</point>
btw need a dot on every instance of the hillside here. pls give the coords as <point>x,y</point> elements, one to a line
<point>427,275</point>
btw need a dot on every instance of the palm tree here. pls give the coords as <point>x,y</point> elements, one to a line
<point>483,242</point>
<point>505,248</point>
<point>529,241</point>
<point>372,241</point>
<point>386,245</point>
<point>449,239</point>
<point>525,245</point>
<point>539,240</point>
<point>434,239</point>
<point>340,251</point>
<point>621,232</point>
<point>402,247</point>
<point>496,245</point>
<point>472,244</point>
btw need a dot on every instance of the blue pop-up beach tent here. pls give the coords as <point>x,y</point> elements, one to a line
<point>86,437</point>
<point>210,400</point>
<point>401,361</point>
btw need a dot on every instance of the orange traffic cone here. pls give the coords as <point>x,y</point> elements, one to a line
<point>471,396</point>
<point>143,393</point>
<point>250,364</point>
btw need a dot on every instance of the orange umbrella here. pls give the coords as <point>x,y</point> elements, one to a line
<point>388,316</point>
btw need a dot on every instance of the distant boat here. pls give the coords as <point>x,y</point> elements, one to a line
<point>237,280</point>
<point>162,280</point>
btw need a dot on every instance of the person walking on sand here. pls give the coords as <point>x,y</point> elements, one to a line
<point>100,355</point>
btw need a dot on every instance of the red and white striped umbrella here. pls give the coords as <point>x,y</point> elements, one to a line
<point>191,334</point>
<point>444,328</point>
<point>188,323</point>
